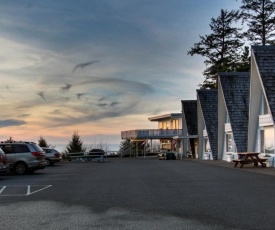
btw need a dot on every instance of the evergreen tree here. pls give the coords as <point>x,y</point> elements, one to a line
<point>259,16</point>
<point>222,48</point>
<point>75,145</point>
<point>42,142</point>
<point>10,140</point>
<point>126,148</point>
<point>243,65</point>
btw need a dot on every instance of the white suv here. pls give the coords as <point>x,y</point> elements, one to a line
<point>24,156</point>
<point>3,162</point>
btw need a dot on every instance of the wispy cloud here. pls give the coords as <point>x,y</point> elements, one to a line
<point>11,122</point>
<point>65,88</point>
<point>41,94</point>
<point>82,65</point>
<point>114,103</point>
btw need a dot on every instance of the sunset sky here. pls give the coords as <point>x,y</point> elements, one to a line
<point>98,67</point>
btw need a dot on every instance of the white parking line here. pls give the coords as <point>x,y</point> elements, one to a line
<point>18,190</point>
<point>2,189</point>
<point>29,189</point>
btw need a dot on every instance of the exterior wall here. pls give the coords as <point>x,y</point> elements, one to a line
<point>222,117</point>
<point>256,91</point>
<point>200,131</point>
<point>184,133</point>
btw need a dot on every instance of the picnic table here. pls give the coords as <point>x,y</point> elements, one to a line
<point>86,157</point>
<point>249,158</point>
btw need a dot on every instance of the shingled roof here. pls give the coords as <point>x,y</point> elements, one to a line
<point>209,106</point>
<point>265,59</point>
<point>189,108</point>
<point>235,88</point>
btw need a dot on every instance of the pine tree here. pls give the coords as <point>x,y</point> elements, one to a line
<point>75,145</point>
<point>10,140</point>
<point>259,16</point>
<point>42,142</point>
<point>222,48</point>
<point>243,64</point>
<point>126,148</point>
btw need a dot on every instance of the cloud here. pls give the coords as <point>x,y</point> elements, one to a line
<point>116,83</point>
<point>11,122</point>
<point>102,105</point>
<point>114,103</point>
<point>80,95</point>
<point>82,65</point>
<point>65,88</point>
<point>41,94</point>
<point>24,115</point>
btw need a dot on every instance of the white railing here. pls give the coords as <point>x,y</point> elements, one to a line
<point>151,133</point>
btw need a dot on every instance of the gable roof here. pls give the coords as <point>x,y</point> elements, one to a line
<point>235,88</point>
<point>189,108</point>
<point>265,59</point>
<point>209,106</point>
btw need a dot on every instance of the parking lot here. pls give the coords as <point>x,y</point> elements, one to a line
<point>138,193</point>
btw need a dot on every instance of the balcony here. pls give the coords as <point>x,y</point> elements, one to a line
<point>227,127</point>
<point>151,134</point>
<point>265,120</point>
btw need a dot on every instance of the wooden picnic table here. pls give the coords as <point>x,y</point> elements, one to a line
<point>249,158</point>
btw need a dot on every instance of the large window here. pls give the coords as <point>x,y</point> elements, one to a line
<point>267,140</point>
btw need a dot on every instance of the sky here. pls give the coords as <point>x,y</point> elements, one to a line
<point>97,67</point>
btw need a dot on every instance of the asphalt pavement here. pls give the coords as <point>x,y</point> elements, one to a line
<point>140,193</point>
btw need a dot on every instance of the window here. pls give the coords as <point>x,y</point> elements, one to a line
<point>21,149</point>
<point>7,149</point>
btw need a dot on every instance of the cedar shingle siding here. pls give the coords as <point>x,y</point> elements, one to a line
<point>265,58</point>
<point>190,112</point>
<point>235,88</point>
<point>209,105</point>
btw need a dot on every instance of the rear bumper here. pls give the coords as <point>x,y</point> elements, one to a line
<point>54,160</point>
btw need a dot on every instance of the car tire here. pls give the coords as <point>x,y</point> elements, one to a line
<point>49,162</point>
<point>20,168</point>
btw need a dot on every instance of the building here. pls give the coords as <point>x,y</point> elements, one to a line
<point>262,100</point>
<point>169,127</point>
<point>189,128</point>
<point>207,108</point>
<point>233,105</point>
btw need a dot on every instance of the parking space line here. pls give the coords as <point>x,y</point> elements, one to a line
<point>16,190</point>
<point>2,189</point>
<point>29,189</point>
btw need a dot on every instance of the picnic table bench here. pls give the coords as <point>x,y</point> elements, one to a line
<point>249,158</point>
